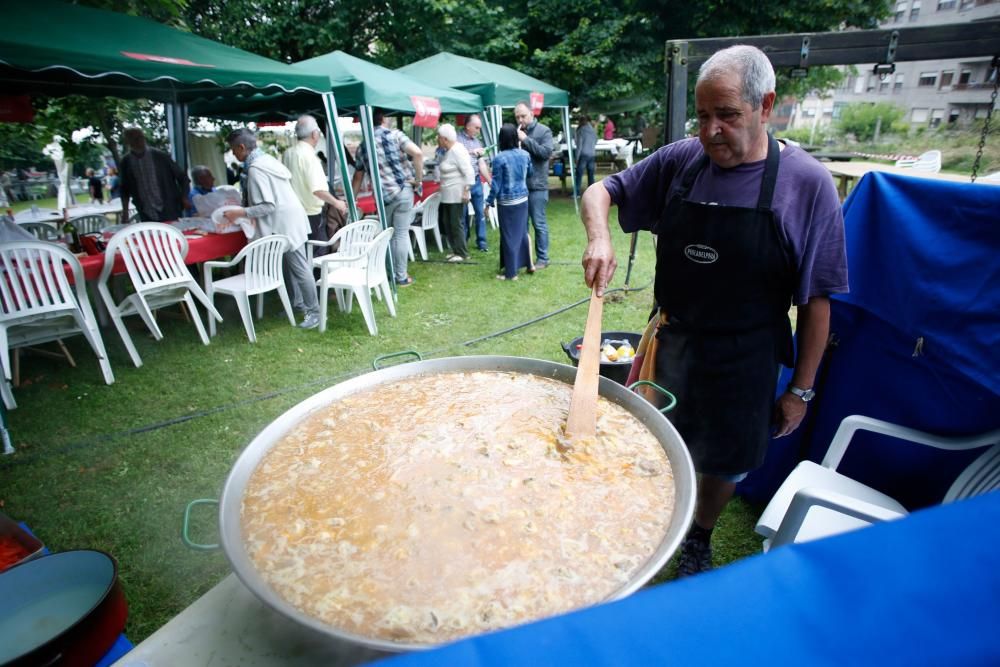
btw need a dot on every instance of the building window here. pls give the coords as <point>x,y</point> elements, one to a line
<point>859,84</point>
<point>966,4</point>
<point>981,112</point>
<point>838,108</point>
<point>937,115</point>
<point>914,11</point>
<point>927,79</point>
<point>947,77</point>
<point>883,85</point>
<point>965,77</point>
<point>946,4</point>
<point>900,11</point>
<point>871,83</point>
<point>953,116</point>
<point>919,115</point>
<point>898,83</point>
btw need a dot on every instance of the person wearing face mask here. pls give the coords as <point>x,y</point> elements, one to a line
<point>152,178</point>
<point>745,227</point>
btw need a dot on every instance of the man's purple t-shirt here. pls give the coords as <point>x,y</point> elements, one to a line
<point>806,206</point>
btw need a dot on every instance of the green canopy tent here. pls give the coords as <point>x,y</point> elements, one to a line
<point>57,49</point>
<point>354,83</point>
<point>498,86</point>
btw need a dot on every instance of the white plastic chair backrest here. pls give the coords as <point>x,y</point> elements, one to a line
<point>42,231</point>
<point>377,251</point>
<point>262,260</point>
<point>88,224</point>
<point>153,252</point>
<point>929,161</point>
<point>34,280</point>
<point>981,476</point>
<point>355,237</point>
<point>429,219</point>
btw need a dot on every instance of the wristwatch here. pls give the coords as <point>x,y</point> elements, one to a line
<point>805,394</point>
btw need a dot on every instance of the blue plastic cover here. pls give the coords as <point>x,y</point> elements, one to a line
<point>917,340</point>
<point>918,591</point>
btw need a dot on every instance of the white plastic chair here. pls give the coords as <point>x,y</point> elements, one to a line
<point>154,257</point>
<point>347,239</point>
<point>817,501</point>
<point>43,231</point>
<point>355,276</point>
<point>39,305</point>
<point>929,162</point>
<point>261,273</point>
<point>428,211</point>
<point>88,224</point>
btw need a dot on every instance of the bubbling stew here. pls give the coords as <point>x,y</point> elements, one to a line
<point>444,505</point>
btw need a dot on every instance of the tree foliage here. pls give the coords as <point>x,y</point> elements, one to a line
<point>861,119</point>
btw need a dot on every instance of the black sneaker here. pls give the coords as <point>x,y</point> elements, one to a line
<point>696,557</point>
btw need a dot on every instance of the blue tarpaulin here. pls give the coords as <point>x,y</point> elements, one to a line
<point>918,591</point>
<point>916,342</point>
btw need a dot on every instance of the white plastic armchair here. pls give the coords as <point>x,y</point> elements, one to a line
<point>154,258</point>
<point>39,303</point>
<point>429,222</point>
<point>88,224</point>
<point>355,276</point>
<point>262,261</point>
<point>43,231</point>
<point>817,501</point>
<point>346,240</point>
<point>929,162</point>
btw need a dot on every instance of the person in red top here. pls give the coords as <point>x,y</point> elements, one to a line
<point>609,128</point>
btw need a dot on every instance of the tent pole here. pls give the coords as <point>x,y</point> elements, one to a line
<point>333,137</point>
<point>569,151</point>
<point>368,130</point>
<point>177,117</point>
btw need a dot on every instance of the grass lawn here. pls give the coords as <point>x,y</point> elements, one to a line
<point>112,467</point>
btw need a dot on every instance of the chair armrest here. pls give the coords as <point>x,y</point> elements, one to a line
<point>336,257</point>
<point>811,497</point>
<point>850,425</point>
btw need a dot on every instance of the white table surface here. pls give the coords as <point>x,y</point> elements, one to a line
<point>229,625</point>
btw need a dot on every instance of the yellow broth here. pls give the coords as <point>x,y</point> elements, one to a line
<point>440,506</point>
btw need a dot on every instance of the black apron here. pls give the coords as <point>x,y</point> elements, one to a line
<point>724,286</point>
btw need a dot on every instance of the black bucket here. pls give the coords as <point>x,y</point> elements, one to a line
<point>613,370</point>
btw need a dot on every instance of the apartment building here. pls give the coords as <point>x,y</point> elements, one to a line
<point>932,92</point>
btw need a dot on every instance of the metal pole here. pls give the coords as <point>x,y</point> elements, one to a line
<point>333,136</point>
<point>676,90</point>
<point>569,151</point>
<point>177,118</point>
<point>631,259</point>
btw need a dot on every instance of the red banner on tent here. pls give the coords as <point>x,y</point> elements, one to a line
<point>537,103</point>
<point>16,109</point>
<point>167,60</point>
<point>271,123</point>
<point>427,111</point>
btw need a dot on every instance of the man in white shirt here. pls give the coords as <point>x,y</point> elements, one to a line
<point>309,181</point>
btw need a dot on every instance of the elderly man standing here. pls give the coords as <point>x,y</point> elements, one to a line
<point>270,200</point>
<point>469,137</point>
<point>398,180</point>
<point>152,178</point>
<point>309,181</point>
<point>536,139</point>
<point>746,226</point>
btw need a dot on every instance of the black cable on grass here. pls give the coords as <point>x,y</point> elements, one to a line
<point>26,457</point>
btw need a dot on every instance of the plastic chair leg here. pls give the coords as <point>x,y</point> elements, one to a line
<point>324,299</point>
<point>422,244</point>
<point>364,296</point>
<point>94,338</point>
<point>437,239</point>
<point>196,317</point>
<point>387,291</point>
<point>211,320</point>
<point>243,304</point>
<point>285,302</point>
<point>8,397</point>
<point>5,352</point>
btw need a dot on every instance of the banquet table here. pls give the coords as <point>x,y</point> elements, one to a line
<point>53,215</point>
<point>366,203</point>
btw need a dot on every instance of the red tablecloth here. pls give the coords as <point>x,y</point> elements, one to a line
<point>200,249</point>
<point>367,204</point>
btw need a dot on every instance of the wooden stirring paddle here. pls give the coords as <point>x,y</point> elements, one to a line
<point>582,419</point>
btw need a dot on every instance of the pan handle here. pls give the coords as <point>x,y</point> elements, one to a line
<point>404,353</point>
<point>187,523</point>
<point>671,399</point>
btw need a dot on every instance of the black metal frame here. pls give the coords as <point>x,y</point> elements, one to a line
<point>852,47</point>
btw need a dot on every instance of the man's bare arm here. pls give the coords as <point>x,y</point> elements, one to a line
<point>599,261</point>
<point>813,324</point>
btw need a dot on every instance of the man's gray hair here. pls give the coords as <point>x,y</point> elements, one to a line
<point>198,170</point>
<point>305,126</point>
<point>747,62</point>
<point>447,130</point>
<point>242,136</point>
